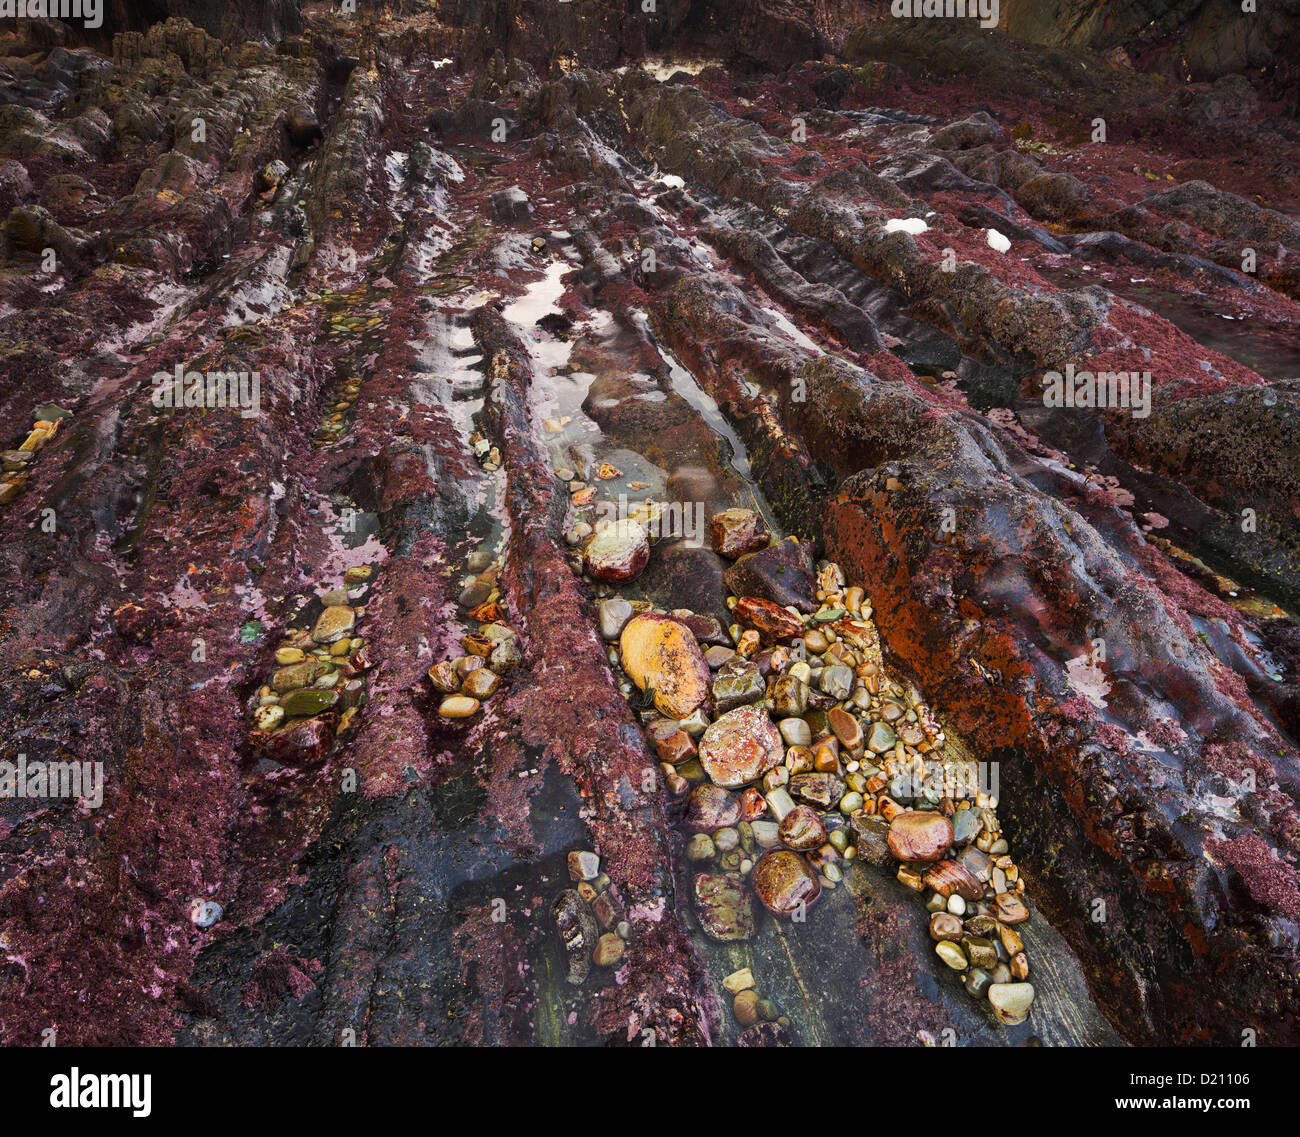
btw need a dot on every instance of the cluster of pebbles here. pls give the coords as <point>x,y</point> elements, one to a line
<point>589,918</point>
<point>490,652</point>
<point>318,687</point>
<point>795,753</point>
<point>334,424</point>
<point>14,464</point>
<point>488,456</point>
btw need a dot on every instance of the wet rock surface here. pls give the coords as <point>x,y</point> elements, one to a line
<point>627,564</point>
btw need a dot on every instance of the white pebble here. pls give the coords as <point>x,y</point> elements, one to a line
<point>997,242</point>
<point>913,225</point>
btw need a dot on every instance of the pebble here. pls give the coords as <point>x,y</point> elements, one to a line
<point>268,718</point>
<point>700,847</point>
<point>289,655</point>
<point>1008,908</point>
<point>819,790</point>
<point>618,552</point>
<point>767,834</point>
<point>723,906</point>
<point>613,616</point>
<point>583,865</point>
<point>307,701</point>
<point>846,728</point>
<point>773,623</point>
<point>801,829</point>
<point>661,654</point>
<point>745,1007</point>
<point>977,981</point>
<point>481,684</point>
<point>965,826</point>
<point>609,950</point>
<point>726,840</point>
<point>981,952</point>
<point>736,684</point>
<point>788,695</point>
<point>445,677</point>
<point>458,707</point>
<point>735,532</point>
<point>920,836</point>
<point>738,981</point>
<point>740,747</point>
<point>710,808</point>
<point>881,738</point>
<point>836,681</point>
<point>945,926</point>
<point>1011,1001</point>
<point>785,882</point>
<point>952,955</point>
<point>795,731</point>
<point>333,624</point>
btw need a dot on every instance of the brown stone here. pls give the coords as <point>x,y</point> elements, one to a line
<point>919,836</point>
<point>735,532</point>
<point>1009,908</point>
<point>947,877</point>
<point>772,622</point>
<point>675,748</point>
<point>802,829</point>
<point>723,906</point>
<point>784,881</point>
<point>945,926</point>
<point>847,729</point>
<point>710,808</point>
<point>740,747</point>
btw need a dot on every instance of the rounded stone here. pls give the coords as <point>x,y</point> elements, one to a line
<point>795,732</point>
<point>480,684</point>
<point>919,836</point>
<point>745,1007</point>
<point>945,926</point>
<point>726,840</point>
<point>458,707</point>
<point>801,829</point>
<point>700,848</point>
<point>618,552</point>
<point>952,955</point>
<point>661,654</point>
<point>1011,1001</point>
<point>740,747</point>
<point>710,808</point>
<point>735,532</point>
<point>334,623</point>
<point>772,622</point>
<point>785,882</point>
